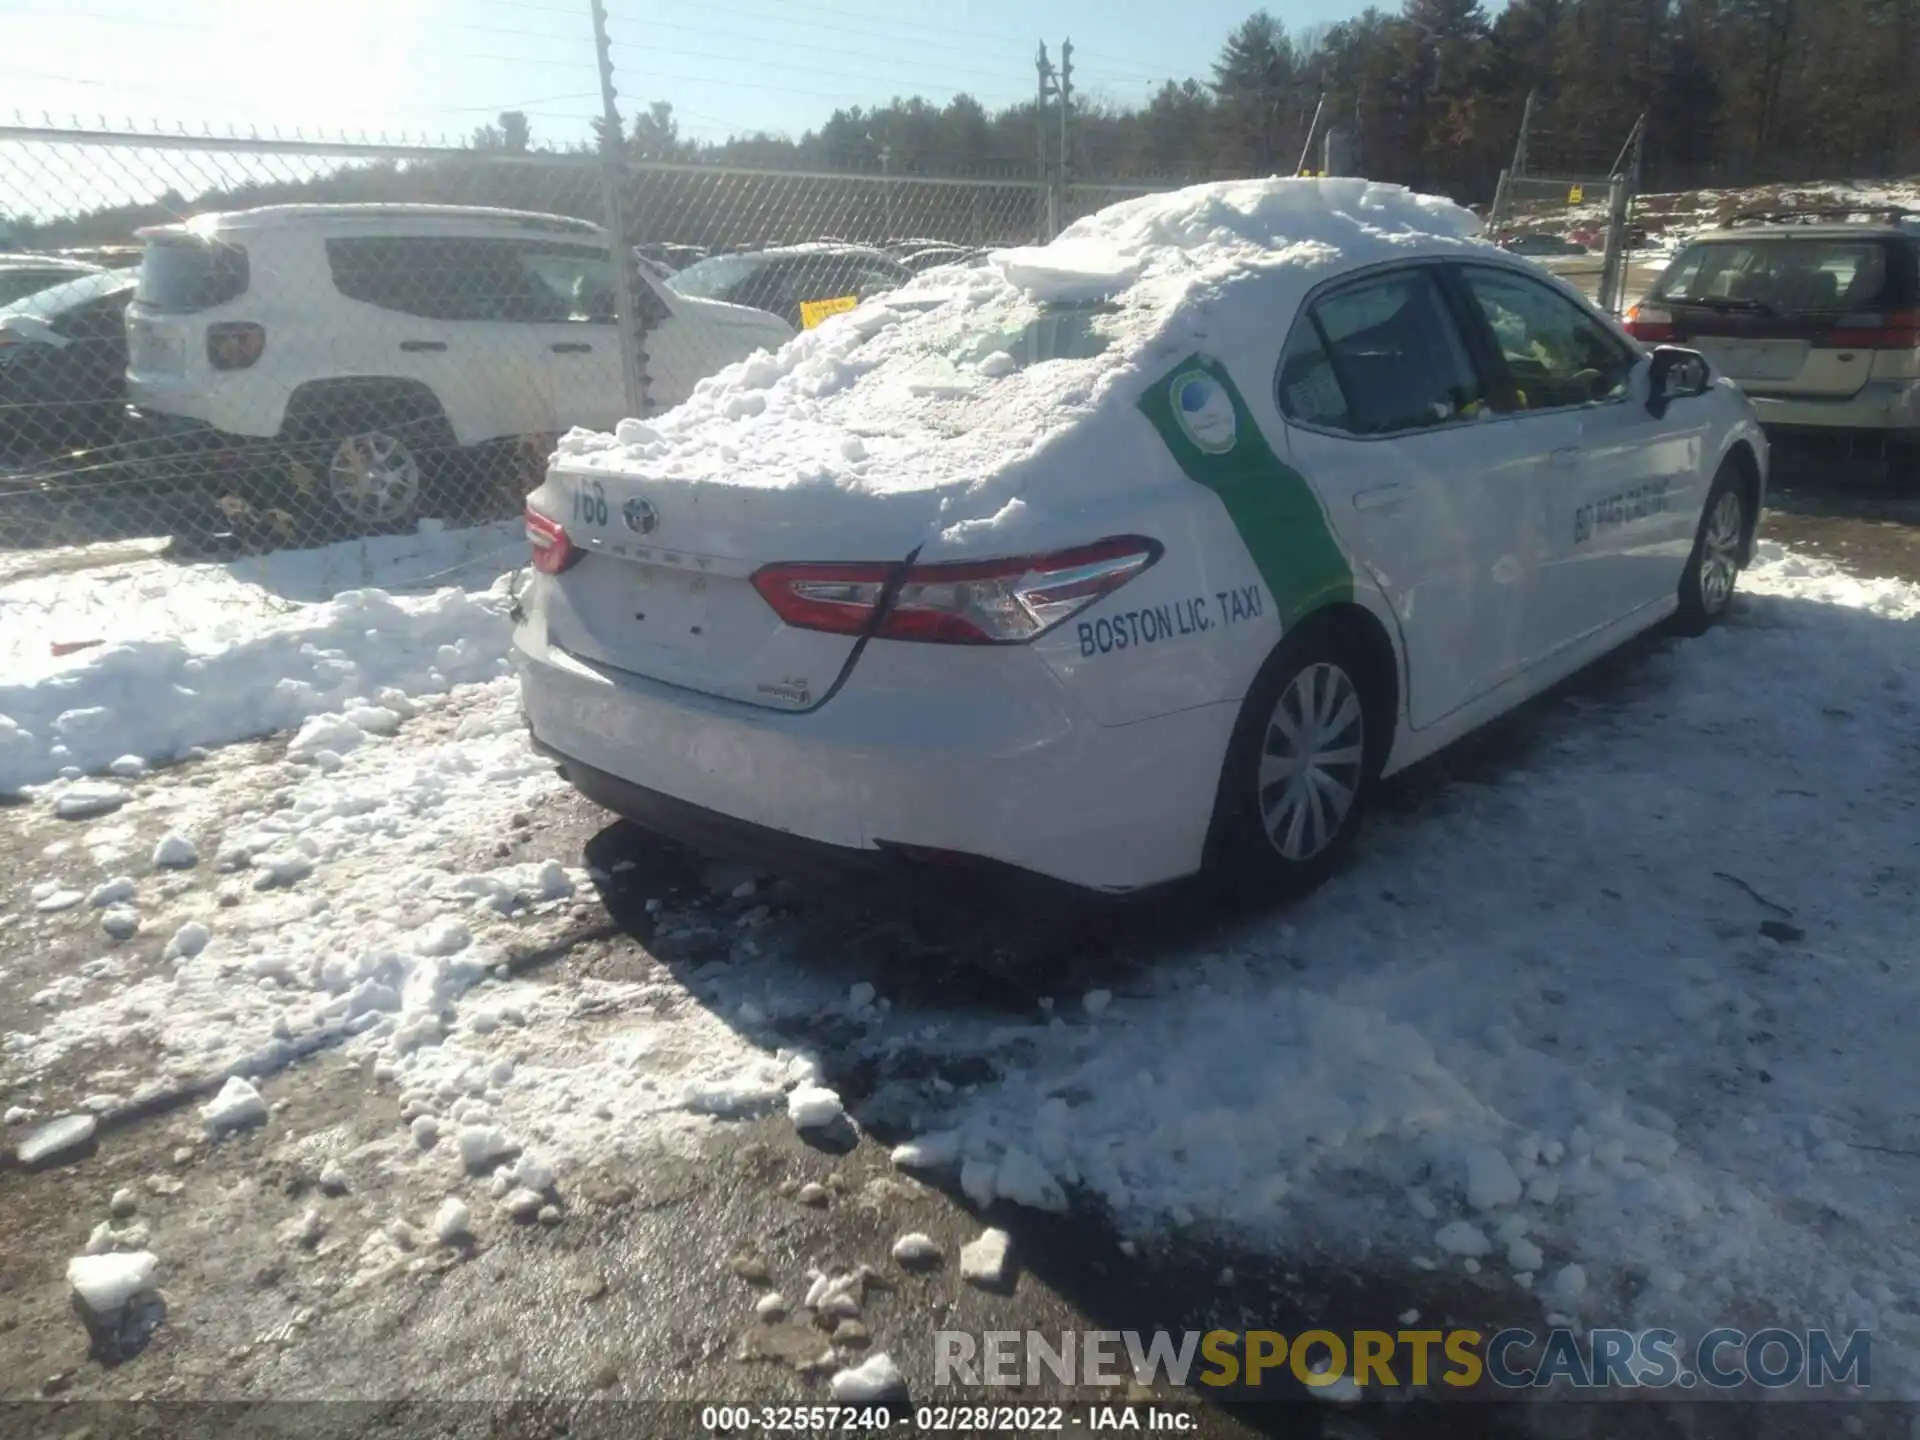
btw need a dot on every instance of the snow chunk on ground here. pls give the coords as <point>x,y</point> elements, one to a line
<point>1025,1181</point>
<point>116,891</point>
<point>452,1220</point>
<point>1524,1255</point>
<point>814,1107</point>
<point>1491,1181</point>
<point>929,1152</point>
<point>914,1248</point>
<point>874,1379</point>
<point>105,1283</point>
<point>57,1137</point>
<point>984,1261</point>
<point>1567,1285</point>
<point>482,1145</point>
<point>188,941</point>
<point>238,1104</point>
<point>1461,1237</point>
<point>175,852</point>
<point>77,802</point>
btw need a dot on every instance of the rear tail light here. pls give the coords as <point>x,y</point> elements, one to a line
<point>552,550</point>
<point>1899,330</point>
<point>235,345</point>
<point>1651,325</point>
<point>978,602</point>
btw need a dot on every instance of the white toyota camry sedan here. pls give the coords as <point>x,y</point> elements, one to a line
<point>1152,548</point>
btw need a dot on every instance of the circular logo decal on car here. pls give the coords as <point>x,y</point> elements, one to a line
<point>640,516</point>
<point>1204,411</point>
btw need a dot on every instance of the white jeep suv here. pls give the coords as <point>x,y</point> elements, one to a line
<point>372,343</point>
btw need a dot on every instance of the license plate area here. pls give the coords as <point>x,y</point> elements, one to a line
<point>669,609</point>
<point>1757,359</point>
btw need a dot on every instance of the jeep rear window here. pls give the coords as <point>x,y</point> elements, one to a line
<point>182,274</point>
<point>1786,275</point>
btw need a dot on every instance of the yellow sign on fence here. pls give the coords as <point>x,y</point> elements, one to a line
<point>812,312</point>
<point>1576,195</point>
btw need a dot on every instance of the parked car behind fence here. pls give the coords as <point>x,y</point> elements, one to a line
<point>350,360</point>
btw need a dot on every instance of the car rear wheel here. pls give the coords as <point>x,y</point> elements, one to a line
<point>1719,550</point>
<point>1301,765</point>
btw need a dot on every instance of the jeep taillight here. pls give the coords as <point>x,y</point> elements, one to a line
<point>235,345</point>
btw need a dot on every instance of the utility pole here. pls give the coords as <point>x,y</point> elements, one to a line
<point>1050,216</point>
<point>1061,204</point>
<point>613,188</point>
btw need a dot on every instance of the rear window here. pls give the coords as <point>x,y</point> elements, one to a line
<point>181,275</point>
<point>1052,332</point>
<point>1787,275</point>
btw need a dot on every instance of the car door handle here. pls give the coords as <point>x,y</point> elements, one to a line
<point>571,347</point>
<point>1380,497</point>
<point>415,347</point>
<point>1567,457</point>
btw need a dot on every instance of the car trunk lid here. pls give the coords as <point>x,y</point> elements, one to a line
<point>663,585</point>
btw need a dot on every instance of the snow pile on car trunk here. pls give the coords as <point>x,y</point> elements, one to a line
<point>905,405</point>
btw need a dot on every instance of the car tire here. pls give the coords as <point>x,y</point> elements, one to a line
<point>1310,743</point>
<point>368,467</point>
<point>1719,548</point>
<point>374,477</point>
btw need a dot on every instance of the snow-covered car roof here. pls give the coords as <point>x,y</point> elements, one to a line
<point>953,394</point>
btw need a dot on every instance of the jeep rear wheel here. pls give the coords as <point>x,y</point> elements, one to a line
<point>374,478</point>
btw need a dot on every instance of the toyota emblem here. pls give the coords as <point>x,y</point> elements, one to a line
<point>640,516</point>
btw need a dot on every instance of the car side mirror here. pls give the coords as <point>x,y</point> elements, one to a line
<point>1675,374</point>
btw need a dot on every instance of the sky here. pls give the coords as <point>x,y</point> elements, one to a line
<point>433,67</point>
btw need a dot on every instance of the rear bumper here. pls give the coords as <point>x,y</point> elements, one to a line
<point>1885,406</point>
<point>1001,773</point>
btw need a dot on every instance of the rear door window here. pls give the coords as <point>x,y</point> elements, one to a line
<point>1781,274</point>
<point>181,275</point>
<point>1396,353</point>
<point>450,277</point>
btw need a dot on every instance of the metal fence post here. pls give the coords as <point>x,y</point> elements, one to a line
<point>613,183</point>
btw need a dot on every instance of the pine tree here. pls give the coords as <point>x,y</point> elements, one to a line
<point>1257,93</point>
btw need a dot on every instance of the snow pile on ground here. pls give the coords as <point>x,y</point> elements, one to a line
<point>232,672</point>
<point>940,404</point>
<point>350,922</point>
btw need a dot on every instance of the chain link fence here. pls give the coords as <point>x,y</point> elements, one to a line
<point>245,345</point>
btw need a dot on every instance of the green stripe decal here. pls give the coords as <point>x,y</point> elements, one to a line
<point>1205,423</point>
